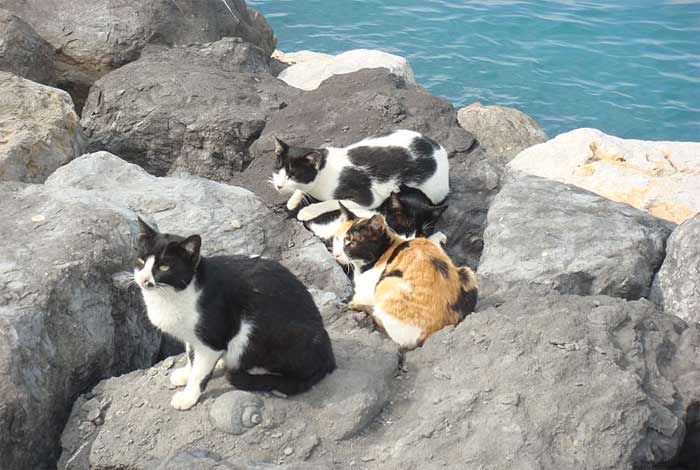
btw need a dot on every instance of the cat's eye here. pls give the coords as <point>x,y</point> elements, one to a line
<point>163,267</point>
<point>140,261</point>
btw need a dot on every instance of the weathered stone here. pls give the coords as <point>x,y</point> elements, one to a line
<point>23,52</point>
<point>94,37</point>
<point>63,324</point>
<point>677,284</point>
<point>309,73</point>
<point>542,232</point>
<point>502,132</point>
<point>200,119</point>
<point>40,130</point>
<point>347,108</point>
<point>231,220</point>
<point>659,177</point>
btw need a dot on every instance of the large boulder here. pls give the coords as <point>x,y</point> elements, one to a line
<point>231,220</point>
<point>64,324</point>
<point>193,109</point>
<point>569,240</point>
<point>39,127</point>
<point>677,284</point>
<point>542,382</point>
<point>349,107</point>
<point>309,73</point>
<point>23,52</point>
<point>503,132</point>
<point>94,37</point>
<point>659,177</point>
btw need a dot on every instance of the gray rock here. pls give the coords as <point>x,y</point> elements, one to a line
<point>349,107</point>
<point>677,284</point>
<point>503,132</point>
<point>87,49</point>
<point>137,437</point>
<point>40,130</point>
<point>23,52</point>
<point>231,220</point>
<point>64,325</point>
<point>201,120</point>
<point>204,460</point>
<point>569,240</point>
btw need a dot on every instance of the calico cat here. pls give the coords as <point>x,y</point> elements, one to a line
<point>408,212</point>
<point>251,312</point>
<point>410,287</point>
<point>363,174</point>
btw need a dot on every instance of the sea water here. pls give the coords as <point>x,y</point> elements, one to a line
<point>630,68</point>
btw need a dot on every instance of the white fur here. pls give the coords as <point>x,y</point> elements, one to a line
<point>295,200</point>
<point>204,362</point>
<point>405,335</point>
<point>237,346</point>
<point>172,311</point>
<point>365,285</point>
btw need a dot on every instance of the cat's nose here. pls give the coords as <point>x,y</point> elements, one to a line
<point>149,284</point>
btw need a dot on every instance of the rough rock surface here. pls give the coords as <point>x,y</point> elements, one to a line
<point>94,37</point>
<point>193,109</point>
<point>677,284</point>
<point>39,130</point>
<point>503,132</point>
<point>23,52</point>
<point>349,107</point>
<point>659,177</point>
<point>231,220</point>
<point>63,323</point>
<point>544,382</point>
<point>310,73</point>
<point>541,232</point>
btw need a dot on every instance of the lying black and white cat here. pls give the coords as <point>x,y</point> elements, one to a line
<point>409,213</point>
<point>362,175</point>
<point>251,312</point>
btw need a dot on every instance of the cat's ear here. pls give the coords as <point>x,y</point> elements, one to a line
<point>281,147</point>
<point>147,233</point>
<point>191,245</point>
<point>437,211</point>
<point>345,213</point>
<point>314,158</point>
<point>376,222</point>
<point>394,202</point>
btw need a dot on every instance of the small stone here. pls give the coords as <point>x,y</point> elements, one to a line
<point>169,362</point>
<point>236,224</point>
<point>38,218</point>
<point>288,451</point>
<point>278,394</point>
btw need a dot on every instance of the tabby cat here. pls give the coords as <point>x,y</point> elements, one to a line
<point>251,312</point>
<point>410,287</point>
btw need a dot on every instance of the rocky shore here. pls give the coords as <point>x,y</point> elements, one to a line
<point>584,351</point>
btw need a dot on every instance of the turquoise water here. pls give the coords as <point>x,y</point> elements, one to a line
<point>629,68</point>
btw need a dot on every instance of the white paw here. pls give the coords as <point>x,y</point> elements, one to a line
<point>220,365</point>
<point>438,238</point>
<point>294,201</point>
<point>184,400</point>
<point>179,376</point>
<point>306,214</point>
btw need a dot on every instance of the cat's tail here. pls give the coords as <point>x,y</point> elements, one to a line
<point>269,382</point>
<point>469,293</point>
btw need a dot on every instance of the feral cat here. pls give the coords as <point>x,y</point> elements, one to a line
<point>363,174</point>
<point>251,312</point>
<point>409,213</point>
<point>410,287</point>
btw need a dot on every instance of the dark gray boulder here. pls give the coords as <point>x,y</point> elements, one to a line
<point>94,37</point>
<point>569,240</point>
<point>64,325</point>
<point>677,284</point>
<point>23,52</point>
<point>349,107</point>
<point>193,109</point>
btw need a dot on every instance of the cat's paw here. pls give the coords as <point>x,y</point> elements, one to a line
<point>439,238</point>
<point>360,307</point>
<point>306,214</point>
<point>295,200</point>
<point>179,376</point>
<point>184,400</point>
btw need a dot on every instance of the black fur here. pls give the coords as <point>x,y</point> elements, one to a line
<point>410,212</point>
<point>367,240</point>
<point>288,336</point>
<point>354,185</point>
<point>466,302</point>
<point>394,273</point>
<point>396,252</point>
<point>301,164</point>
<point>441,266</point>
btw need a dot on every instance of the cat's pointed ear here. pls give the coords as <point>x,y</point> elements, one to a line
<point>345,213</point>
<point>191,245</point>
<point>147,233</point>
<point>281,146</point>
<point>314,158</point>
<point>437,211</point>
<point>376,222</point>
<point>394,201</point>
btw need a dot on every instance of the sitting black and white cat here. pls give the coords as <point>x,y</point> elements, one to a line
<point>409,213</point>
<point>362,175</point>
<point>251,312</point>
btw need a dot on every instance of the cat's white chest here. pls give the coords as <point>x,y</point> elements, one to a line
<point>365,284</point>
<point>171,311</point>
